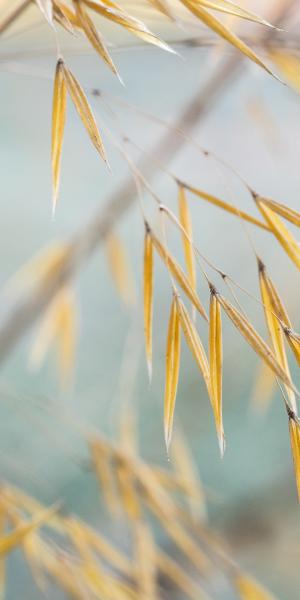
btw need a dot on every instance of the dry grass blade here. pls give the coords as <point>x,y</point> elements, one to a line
<point>185,220</point>
<point>194,343</point>
<point>255,341</point>
<point>84,110</point>
<point>130,23</point>
<point>294,342</point>
<point>14,538</point>
<point>249,589</point>
<point>120,268</point>
<point>216,365</point>
<point>276,302</point>
<point>283,235</point>
<point>172,371</point>
<point>179,275</point>
<point>93,35</point>
<point>58,126</point>
<point>226,206</point>
<point>294,428</point>
<point>270,303</point>
<point>284,211</point>
<point>220,29</point>
<point>148,297</point>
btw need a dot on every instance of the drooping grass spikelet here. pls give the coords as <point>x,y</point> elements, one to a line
<point>216,365</point>
<point>179,275</point>
<point>65,16</point>
<point>148,297</point>
<point>280,231</point>
<point>197,8</point>
<point>172,370</point>
<point>284,211</point>
<point>84,110</point>
<point>271,302</point>
<point>294,342</point>
<point>58,125</point>
<point>115,13</point>
<point>194,342</point>
<point>185,220</point>
<point>231,8</point>
<point>255,340</point>
<point>93,35</point>
<point>225,206</point>
<point>294,429</point>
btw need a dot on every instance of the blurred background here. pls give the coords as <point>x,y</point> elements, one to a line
<point>254,126</point>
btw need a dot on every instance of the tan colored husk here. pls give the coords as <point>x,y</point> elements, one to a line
<point>216,365</point>
<point>148,298</point>
<point>179,275</point>
<point>172,371</point>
